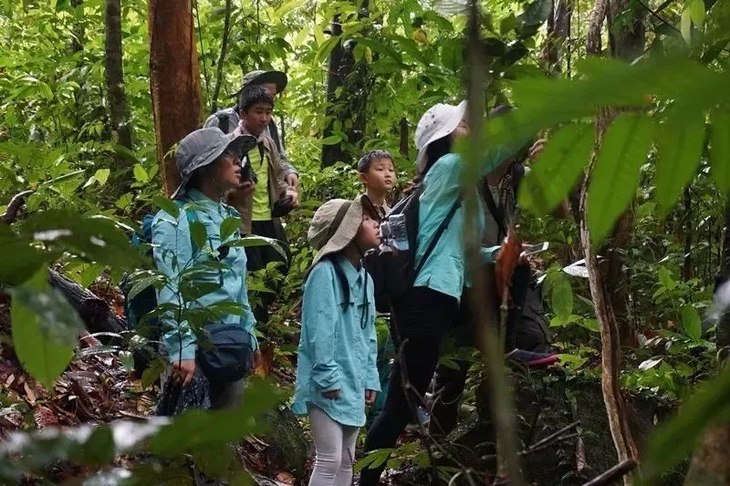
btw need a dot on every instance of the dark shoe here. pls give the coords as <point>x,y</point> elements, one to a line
<point>530,359</point>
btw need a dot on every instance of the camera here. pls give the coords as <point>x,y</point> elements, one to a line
<point>247,172</point>
<point>394,234</point>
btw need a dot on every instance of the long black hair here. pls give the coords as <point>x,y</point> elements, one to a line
<point>436,150</point>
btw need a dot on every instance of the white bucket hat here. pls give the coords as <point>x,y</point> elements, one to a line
<point>202,147</point>
<point>438,121</point>
<point>334,225</point>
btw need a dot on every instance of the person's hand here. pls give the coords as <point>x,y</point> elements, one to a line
<point>370,396</point>
<point>247,187</point>
<point>184,370</point>
<point>332,394</point>
<point>536,149</point>
<point>292,179</point>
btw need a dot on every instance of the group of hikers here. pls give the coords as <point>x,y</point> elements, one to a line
<point>236,166</point>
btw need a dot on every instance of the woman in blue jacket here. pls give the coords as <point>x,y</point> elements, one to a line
<point>424,313</point>
<point>337,373</point>
<point>209,165</point>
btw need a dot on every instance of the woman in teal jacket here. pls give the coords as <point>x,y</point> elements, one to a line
<point>423,315</point>
<point>209,166</point>
<point>337,375</point>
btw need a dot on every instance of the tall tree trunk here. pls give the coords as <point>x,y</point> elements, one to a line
<point>174,80</point>
<point>403,131</point>
<point>114,77</point>
<point>599,284</point>
<point>348,86</point>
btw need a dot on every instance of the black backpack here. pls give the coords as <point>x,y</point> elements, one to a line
<point>393,273</point>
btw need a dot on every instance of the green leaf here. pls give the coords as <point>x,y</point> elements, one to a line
<point>697,13</point>
<point>140,175</point>
<point>373,459</point>
<point>616,173</point>
<point>95,238</point>
<point>562,297</point>
<point>229,226</point>
<point>557,169</point>
<point>25,262</point>
<point>198,234</point>
<point>102,175</point>
<point>720,150</point>
<point>167,205</point>
<point>691,323</point>
<point>685,26</point>
<point>710,403</point>
<point>679,149</point>
<point>44,328</point>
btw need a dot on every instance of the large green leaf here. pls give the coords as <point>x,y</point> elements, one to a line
<point>720,150</point>
<point>562,296</point>
<point>710,403</point>
<point>679,147</point>
<point>557,169</point>
<point>96,238</point>
<point>691,323</point>
<point>25,260</point>
<point>45,328</point>
<point>616,173</point>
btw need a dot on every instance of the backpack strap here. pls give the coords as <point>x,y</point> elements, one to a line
<point>342,279</point>
<point>436,237</point>
<point>496,212</point>
<point>223,123</point>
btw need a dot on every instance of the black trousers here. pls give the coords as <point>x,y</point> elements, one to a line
<point>421,319</point>
<point>449,382</point>
<point>257,257</point>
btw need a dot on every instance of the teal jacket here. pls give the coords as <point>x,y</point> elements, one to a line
<point>445,269</point>
<point>173,253</point>
<point>338,347</point>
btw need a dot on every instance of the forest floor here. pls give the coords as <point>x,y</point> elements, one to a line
<point>95,388</point>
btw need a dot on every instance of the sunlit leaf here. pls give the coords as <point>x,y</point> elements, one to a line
<point>557,169</point>
<point>691,322</point>
<point>679,148</point>
<point>562,296</point>
<point>616,173</point>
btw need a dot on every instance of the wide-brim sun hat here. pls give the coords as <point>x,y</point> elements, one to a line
<point>334,225</point>
<point>438,121</point>
<point>202,147</point>
<point>259,77</point>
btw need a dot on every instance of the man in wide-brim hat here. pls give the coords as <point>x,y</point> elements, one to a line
<point>229,119</point>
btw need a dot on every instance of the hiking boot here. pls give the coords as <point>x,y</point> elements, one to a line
<point>530,359</point>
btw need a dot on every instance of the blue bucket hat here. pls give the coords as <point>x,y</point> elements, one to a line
<point>202,147</point>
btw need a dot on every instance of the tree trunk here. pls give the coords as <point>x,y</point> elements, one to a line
<point>599,285</point>
<point>114,77</point>
<point>174,80</point>
<point>348,86</point>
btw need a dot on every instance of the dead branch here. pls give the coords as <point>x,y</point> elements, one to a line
<point>95,312</point>
<point>16,203</point>
<point>611,475</point>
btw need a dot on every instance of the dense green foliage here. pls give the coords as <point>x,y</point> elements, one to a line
<point>664,157</point>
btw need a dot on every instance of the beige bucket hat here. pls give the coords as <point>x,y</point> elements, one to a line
<point>335,224</point>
